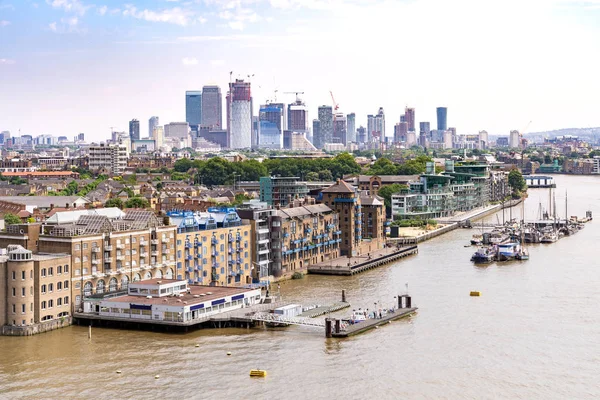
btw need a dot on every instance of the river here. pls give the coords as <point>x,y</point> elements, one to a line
<point>533,334</point>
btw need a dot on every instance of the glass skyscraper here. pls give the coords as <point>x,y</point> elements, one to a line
<point>193,108</point>
<point>442,115</point>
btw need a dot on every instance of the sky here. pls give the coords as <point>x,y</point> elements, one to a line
<point>70,66</point>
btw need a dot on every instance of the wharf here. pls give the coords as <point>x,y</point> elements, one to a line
<point>372,323</point>
<point>353,265</point>
<point>322,310</point>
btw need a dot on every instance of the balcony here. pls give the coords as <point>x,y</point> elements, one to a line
<point>215,253</point>
<point>95,261</point>
<point>108,248</point>
<point>108,259</point>
<point>95,249</point>
<point>238,238</point>
<point>230,238</point>
<point>189,257</point>
<point>144,255</point>
<point>143,243</point>
<point>189,269</point>
<point>120,246</point>
<point>120,258</point>
<point>214,240</point>
<point>154,253</point>
<point>154,241</point>
<point>165,240</point>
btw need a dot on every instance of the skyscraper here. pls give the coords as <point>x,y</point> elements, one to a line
<point>152,123</point>
<point>442,121</point>
<point>340,129</point>
<point>514,140</point>
<point>376,126</point>
<point>483,140</point>
<point>158,134</point>
<point>270,126</point>
<point>326,127</point>
<point>212,107</point>
<point>193,108</point>
<point>401,132</point>
<point>239,115</point>
<point>316,131</point>
<point>361,134</point>
<point>424,128</point>
<point>297,117</point>
<point>409,115</point>
<point>351,127</point>
<point>134,129</point>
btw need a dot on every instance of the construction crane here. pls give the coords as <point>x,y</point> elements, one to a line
<point>335,105</point>
<point>296,93</point>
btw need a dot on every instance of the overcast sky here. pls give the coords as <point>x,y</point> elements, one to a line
<point>69,66</point>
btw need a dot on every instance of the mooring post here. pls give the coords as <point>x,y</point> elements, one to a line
<point>343,295</point>
<point>408,302</point>
<point>338,325</point>
<point>90,332</point>
<point>328,327</point>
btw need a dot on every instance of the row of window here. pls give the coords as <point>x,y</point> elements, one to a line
<point>23,275</point>
<point>133,240</point>
<point>50,270</point>
<point>59,286</point>
<point>59,302</point>
<point>23,291</point>
<point>23,308</point>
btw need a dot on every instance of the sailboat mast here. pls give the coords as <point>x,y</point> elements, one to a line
<point>566,207</point>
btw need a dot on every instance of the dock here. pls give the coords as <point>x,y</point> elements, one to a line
<point>372,323</point>
<point>354,265</point>
<point>322,310</point>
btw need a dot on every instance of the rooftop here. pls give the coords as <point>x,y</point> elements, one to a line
<point>197,294</point>
<point>339,187</point>
<point>43,201</point>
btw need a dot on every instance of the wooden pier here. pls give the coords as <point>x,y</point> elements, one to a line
<point>350,266</point>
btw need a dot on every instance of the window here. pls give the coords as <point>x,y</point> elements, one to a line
<point>59,270</point>
<point>50,303</point>
<point>66,285</point>
<point>77,259</point>
<point>23,275</point>
<point>85,258</point>
<point>14,275</point>
<point>85,271</point>
<point>77,300</point>
<point>50,287</point>
<point>14,307</point>
<point>59,286</point>
<point>23,309</point>
<point>77,247</point>
<point>59,302</point>
<point>85,246</point>
<point>77,272</point>
<point>14,291</point>
<point>77,285</point>
<point>66,269</point>
<point>43,273</point>
<point>66,300</point>
<point>133,240</point>
<point>43,289</point>
<point>23,292</point>
<point>50,271</point>
<point>43,305</point>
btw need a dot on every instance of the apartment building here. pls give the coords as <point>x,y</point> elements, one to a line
<point>109,158</point>
<point>279,191</point>
<point>258,214</point>
<point>213,248</point>
<point>34,289</point>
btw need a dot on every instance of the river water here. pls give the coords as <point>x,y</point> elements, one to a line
<point>534,334</point>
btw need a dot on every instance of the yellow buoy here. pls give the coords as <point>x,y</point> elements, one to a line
<point>475,293</point>
<point>118,371</point>
<point>228,353</point>
<point>156,376</point>
<point>258,373</point>
<point>197,345</point>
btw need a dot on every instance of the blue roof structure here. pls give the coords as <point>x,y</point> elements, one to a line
<point>215,217</point>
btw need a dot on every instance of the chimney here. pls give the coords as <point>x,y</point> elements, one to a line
<point>52,206</point>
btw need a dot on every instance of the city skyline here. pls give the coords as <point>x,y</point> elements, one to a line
<point>100,65</point>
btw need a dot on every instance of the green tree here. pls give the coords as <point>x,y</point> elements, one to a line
<point>159,186</point>
<point>114,202</point>
<point>387,191</point>
<point>183,165</point>
<point>312,176</point>
<point>17,180</point>
<point>383,166</point>
<point>216,171</point>
<point>30,220</point>
<point>11,219</point>
<point>240,199</point>
<point>137,202</point>
<point>516,181</point>
<point>325,175</point>
<point>132,179</point>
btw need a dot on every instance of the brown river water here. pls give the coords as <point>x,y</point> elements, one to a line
<point>533,334</point>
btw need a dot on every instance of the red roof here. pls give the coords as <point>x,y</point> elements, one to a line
<point>41,173</point>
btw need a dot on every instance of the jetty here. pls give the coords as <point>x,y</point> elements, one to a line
<point>354,265</point>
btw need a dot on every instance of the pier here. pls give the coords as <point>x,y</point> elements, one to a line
<point>354,265</point>
<point>539,181</point>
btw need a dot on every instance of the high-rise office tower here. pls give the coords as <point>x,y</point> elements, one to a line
<point>158,134</point>
<point>340,129</point>
<point>514,140</point>
<point>325,127</point>
<point>442,118</point>
<point>409,115</point>
<point>81,137</point>
<point>270,126</point>
<point>424,128</point>
<point>351,127</point>
<point>316,130</point>
<point>376,127</point>
<point>152,123</point>
<point>483,140</point>
<point>134,129</point>
<point>193,108</point>
<point>361,134</point>
<point>401,132</point>
<point>239,115</point>
<point>212,107</point>
<point>297,116</point>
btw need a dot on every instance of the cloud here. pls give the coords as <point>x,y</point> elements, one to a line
<point>189,61</point>
<point>6,61</point>
<point>73,6</point>
<point>4,23</point>
<point>236,25</point>
<point>72,21</point>
<point>102,10</point>
<point>52,26</point>
<point>176,15</point>
<point>217,63</point>
<point>7,7</point>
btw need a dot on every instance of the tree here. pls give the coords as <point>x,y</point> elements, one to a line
<point>11,219</point>
<point>325,175</point>
<point>159,186</point>
<point>516,181</point>
<point>312,176</point>
<point>30,220</point>
<point>114,202</point>
<point>137,202</point>
<point>383,166</point>
<point>17,180</point>
<point>183,165</point>
<point>387,191</point>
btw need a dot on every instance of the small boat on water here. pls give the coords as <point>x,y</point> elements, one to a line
<point>477,239</point>
<point>484,254</point>
<point>549,236</point>
<point>522,255</point>
<point>508,251</point>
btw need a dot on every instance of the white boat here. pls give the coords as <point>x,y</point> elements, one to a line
<point>358,316</point>
<point>549,236</point>
<point>484,255</point>
<point>508,251</point>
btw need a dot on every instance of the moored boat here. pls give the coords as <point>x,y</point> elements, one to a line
<point>508,251</point>
<point>484,255</point>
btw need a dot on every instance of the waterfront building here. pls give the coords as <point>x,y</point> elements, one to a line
<point>213,247</point>
<point>239,115</point>
<point>34,290</point>
<point>270,127</point>
<point>153,122</point>
<point>193,108</point>
<point>376,126</point>
<point>596,167</point>
<point>169,301</point>
<point>325,134</point>
<point>212,107</point>
<point>134,130</point>
<point>279,191</point>
<point>442,118</point>
<point>351,128</point>
<point>109,158</point>
<point>372,183</point>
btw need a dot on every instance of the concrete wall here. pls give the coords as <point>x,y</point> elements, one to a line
<point>47,326</point>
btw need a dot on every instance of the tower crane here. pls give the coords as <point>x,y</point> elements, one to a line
<point>335,105</point>
<point>296,93</point>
